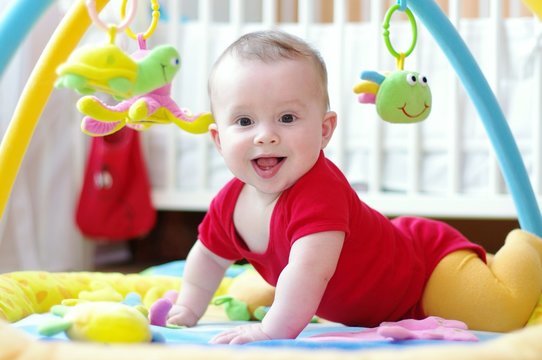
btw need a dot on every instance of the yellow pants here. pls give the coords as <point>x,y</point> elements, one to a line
<point>497,296</point>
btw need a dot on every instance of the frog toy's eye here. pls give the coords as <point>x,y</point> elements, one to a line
<point>411,79</point>
<point>423,80</point>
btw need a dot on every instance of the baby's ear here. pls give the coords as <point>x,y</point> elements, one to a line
<point>328,127</point>
<point>213,131</point>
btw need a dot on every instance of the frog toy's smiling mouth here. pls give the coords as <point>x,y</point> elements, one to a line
<point>413,116</point>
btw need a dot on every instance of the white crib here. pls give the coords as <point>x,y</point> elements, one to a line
<point>442,167</point>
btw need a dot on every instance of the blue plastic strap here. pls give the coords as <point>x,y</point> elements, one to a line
<point>15,24</point>
<point>402,4</point>
<point>478,89</point>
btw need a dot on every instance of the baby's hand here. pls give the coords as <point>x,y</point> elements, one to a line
<point>241,335</point>
<point>181,315</point>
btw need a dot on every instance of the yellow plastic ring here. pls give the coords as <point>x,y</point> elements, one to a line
<point>154,22</point>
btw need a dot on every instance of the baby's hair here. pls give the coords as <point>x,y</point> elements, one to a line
<point>272,45</point>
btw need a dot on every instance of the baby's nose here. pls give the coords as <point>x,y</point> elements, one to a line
<point>266,135</point>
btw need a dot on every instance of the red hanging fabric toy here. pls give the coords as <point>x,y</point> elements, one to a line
<point>115,201</point>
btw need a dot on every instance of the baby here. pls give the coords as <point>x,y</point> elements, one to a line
<point>292,214</point>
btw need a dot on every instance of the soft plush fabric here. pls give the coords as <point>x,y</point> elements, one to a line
<point>26,296</point>
<point>522,344</point>
<point>27,292</point>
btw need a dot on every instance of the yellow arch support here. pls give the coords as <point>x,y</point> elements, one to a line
<point>535,6</point>
<point>36,93</point>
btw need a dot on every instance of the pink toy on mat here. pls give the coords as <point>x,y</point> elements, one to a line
<point>159,310</point>
<point>431,328</point>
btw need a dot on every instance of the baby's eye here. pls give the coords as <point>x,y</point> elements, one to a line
<point>244,121</point>
<point>287,118</point>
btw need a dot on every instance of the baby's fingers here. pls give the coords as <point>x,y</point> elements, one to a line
<point>182,316</point>
<point>224,337</point>
<point>241,335</point>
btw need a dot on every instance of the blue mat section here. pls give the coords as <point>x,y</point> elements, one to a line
<point>176,268</point>
<point>201,334</point>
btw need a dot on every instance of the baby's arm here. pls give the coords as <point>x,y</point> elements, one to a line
<point>203,273</point>
<point>299,290</point>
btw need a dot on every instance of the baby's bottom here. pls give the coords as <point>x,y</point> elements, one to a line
<point>498,296</point>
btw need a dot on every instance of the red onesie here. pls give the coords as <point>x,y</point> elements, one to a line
<point>383,267</point>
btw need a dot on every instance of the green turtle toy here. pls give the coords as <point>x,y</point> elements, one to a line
<point>108,69</point>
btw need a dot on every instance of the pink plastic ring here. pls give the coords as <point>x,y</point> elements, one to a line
<point>91,6</point>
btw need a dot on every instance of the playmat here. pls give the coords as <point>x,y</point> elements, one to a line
<point>28,300</point>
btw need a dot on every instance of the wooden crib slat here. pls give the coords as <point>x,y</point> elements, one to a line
<point>338,92</point>
<point>414,159</point>
<point>305,10</point>
<point>237,15</point>
<point>455,122</point>
<point>269,15</point>
<point>170,137</point>
<point>205,18</point>
<point>494,65</point>
<point>536,147</point>
<point>376,150</point>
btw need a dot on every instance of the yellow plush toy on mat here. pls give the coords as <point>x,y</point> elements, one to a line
<point>102,321</point>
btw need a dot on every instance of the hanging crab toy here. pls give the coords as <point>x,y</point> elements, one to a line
<point>400,96</point>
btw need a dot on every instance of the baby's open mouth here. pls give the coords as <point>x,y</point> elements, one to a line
<point>267,162</point>
<point>267,167</point>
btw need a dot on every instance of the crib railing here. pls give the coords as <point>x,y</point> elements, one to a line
<point>342,18</point>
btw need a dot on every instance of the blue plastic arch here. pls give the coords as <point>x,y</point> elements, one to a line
<point>16,23</point>
<point>498,131</point>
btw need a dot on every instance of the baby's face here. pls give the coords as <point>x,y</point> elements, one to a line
<point>271,120</point>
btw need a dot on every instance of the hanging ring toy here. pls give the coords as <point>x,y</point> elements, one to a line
<point>400,57</point>
<point>400,96</point>
<point>155,17</point>
<point>91,6</point>
<point>107,68</point>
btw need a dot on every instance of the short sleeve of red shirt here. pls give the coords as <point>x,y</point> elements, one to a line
<point>318,202</point>
<point>216,231</point>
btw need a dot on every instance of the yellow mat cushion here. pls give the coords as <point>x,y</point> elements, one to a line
<point>27,292</point>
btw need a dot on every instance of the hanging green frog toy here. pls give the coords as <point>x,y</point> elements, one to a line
<point>400,96</point>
